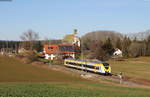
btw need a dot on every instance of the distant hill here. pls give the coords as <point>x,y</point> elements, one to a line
<point>139,35</point>
<point>102,35</point>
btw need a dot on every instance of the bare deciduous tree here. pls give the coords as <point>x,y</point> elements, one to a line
<point>29,39</point>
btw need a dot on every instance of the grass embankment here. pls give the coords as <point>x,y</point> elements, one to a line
<point>12,70</point>
<point>136,68</point>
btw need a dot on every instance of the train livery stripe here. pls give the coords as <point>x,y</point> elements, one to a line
<point>94,67</point>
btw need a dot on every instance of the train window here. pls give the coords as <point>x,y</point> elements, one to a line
<point>82,65</point>
<point>97,68</point>
<point>106,65</point>
<point>79,64</point>
<point>72,63</point>
<point>89,66</point>
<point>75,64</point>
<point>67,62</point>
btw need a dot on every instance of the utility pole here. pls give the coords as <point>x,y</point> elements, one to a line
<point>82,56</point>
<point>7,46</point>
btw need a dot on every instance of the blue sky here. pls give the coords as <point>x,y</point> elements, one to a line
<point>56,18</point>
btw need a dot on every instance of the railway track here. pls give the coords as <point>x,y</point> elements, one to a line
<point>93,76</point>
<point>113,79</point>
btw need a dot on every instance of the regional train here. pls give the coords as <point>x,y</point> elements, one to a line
<point>92,66</point>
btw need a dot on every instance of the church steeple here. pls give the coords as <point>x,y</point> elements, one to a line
<point>75,31</point>
<point>76,40</point>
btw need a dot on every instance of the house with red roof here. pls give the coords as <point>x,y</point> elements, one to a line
<point>69,48</point>
<point>60,51</point>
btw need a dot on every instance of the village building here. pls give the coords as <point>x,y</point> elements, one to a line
<point>72,39</point>
<point>117,53</point>
<point>59,51</point>
<point>69,47</point>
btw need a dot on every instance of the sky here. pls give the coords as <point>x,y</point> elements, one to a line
<point>53,19</point>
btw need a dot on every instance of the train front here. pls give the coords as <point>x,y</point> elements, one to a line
<point>107,68</point>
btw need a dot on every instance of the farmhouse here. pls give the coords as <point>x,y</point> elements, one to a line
<point>69,47</point>
<point>117,53</point>
<point>60,51</point>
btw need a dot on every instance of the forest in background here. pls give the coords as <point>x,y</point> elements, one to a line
<point>102,44</point>
<point>94,45</point>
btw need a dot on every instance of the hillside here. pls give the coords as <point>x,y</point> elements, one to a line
<point>12,70</point>
<point>102,35</point>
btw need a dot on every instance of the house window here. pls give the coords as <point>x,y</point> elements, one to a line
<point>50,47</point>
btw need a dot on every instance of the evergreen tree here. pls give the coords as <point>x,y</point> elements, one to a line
<point>38,46</point>
<point>148,46</point>
<point>108,47</point>
<point>119,43</point>
<point>125,46</point>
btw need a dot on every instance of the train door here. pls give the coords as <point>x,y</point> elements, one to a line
<point>100,69</point>
<point>96,69</point>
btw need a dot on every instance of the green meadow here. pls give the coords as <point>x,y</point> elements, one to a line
<point>65,89</point>
<point>136,69</point>
<point>25,80</point>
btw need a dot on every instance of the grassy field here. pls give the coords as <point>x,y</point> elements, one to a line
<point>83,89</point>
<point>25,80</point>
<point>134,68</point>
<point>12,70</point>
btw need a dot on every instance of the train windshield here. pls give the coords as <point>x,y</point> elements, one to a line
<point>106,65</point>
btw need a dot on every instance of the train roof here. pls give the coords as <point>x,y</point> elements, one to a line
<point>92,61</point>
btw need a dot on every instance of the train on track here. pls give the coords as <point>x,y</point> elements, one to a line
<point>92,66</point>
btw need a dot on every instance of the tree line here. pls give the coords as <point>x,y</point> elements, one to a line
<point>95,45</point>
<point>13,45</point>
<point>95,48</point>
